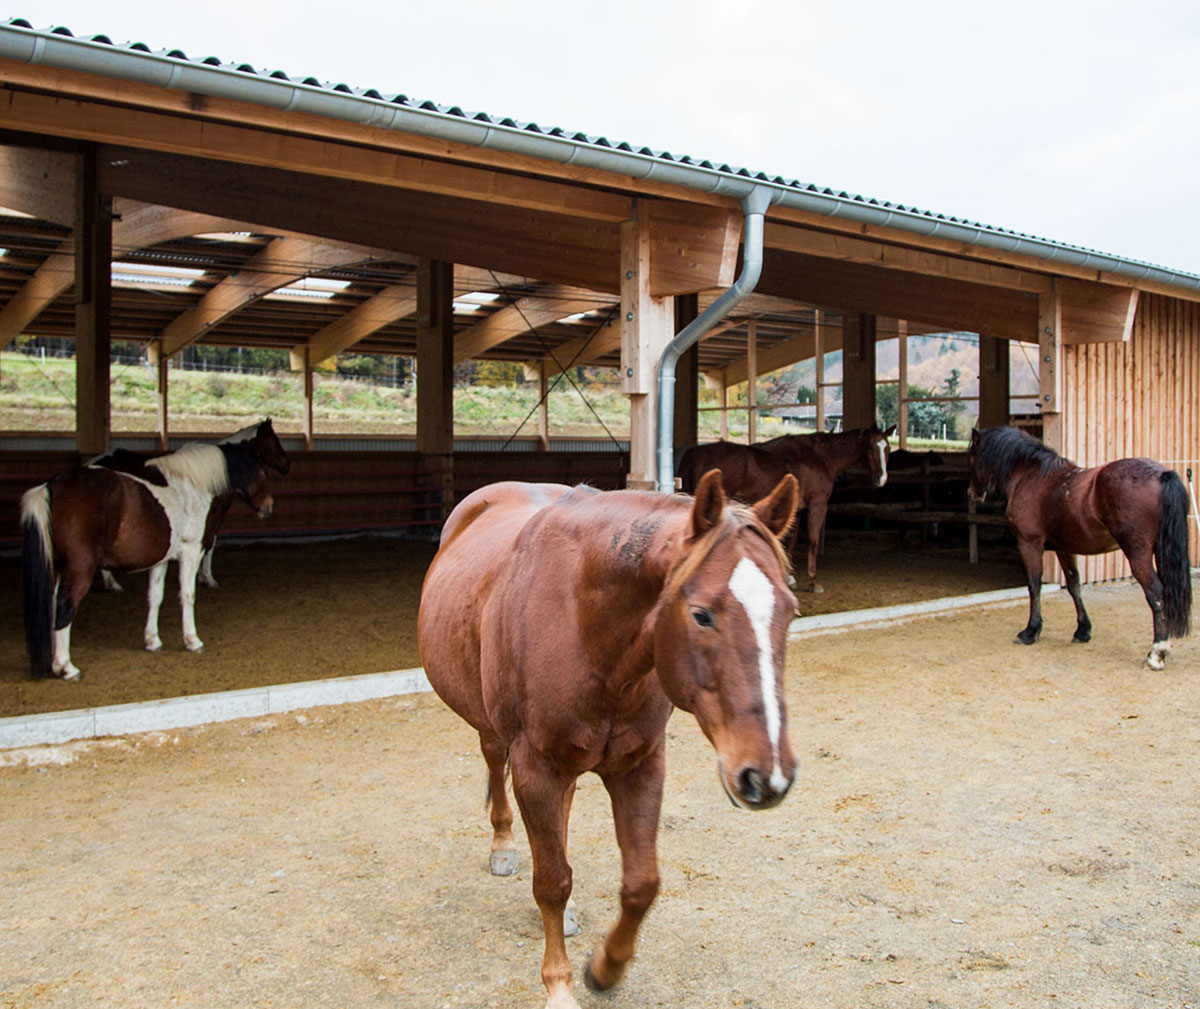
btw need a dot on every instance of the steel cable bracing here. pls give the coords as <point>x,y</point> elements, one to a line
<point>563,373</point>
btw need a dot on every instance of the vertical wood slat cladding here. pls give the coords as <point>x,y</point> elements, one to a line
<point>1140,398</point>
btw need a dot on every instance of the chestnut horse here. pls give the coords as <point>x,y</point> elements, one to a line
<point>1136,505</point>
<point>815,460</point>
<point>563,624</point>
<point>267,449</point>
<point>94,517</point>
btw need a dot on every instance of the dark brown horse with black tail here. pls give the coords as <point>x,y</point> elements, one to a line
<point>1135,505</point>
<point>749,472</point>
<point>564,624</point>
<point>94,517</point>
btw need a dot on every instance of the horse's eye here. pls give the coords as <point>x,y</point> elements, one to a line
<point>702,616</point>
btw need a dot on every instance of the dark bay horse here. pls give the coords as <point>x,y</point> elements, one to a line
<point>1135,505</point>
<point>262,441</point>
<point>94,517</point>
<point>748,472</point>
<point>564,624</point>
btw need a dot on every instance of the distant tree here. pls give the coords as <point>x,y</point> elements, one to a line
<point>806,394</point>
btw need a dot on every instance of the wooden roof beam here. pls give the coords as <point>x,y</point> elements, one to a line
<point>135,226</point>
<point>282,262</point>
<point>392,303</point>
<point>1095,313</point>
<point>38,182</point>
<point>523,316</point>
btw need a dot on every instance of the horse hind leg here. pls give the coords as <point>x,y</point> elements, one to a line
<point>189,563</point>
<point>72,587</point>
<point>1141,564</point>
<point>1083,625</point>
<point>154,597</point>
<point>504,860</point>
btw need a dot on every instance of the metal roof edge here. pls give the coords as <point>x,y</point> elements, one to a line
<point>98,55</point>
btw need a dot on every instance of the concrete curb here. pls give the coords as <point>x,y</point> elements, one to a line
<point>199,709</point>
<point>257,702</point>
<point>858,619</point>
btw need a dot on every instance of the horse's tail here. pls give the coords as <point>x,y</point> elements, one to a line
<point>1171,555</point>
<point>37,575</point>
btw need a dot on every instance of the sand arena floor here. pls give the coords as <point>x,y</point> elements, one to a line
<point>975,823</point>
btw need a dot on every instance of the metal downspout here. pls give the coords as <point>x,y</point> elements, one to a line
<point>754,206</point>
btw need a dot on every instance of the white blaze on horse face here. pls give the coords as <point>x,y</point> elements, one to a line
<point>881,448</point>
<point>754,591</point>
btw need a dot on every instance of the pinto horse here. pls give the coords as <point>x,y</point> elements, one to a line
<point>1136,505</point>
<point>267,449</point>
<point>815,460</point>
<point>563,624</point>
<point>94,517</point>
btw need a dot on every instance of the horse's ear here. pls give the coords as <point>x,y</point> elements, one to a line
<point>777,510</point>
<point>890,431</point>
<point>974,436</point>
<point>708,503</point>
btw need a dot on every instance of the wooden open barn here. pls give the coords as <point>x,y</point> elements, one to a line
<point>576,249</point>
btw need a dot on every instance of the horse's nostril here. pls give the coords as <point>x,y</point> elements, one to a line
<point>752,786</point>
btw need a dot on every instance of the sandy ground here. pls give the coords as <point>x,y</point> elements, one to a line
<point>974,824</point>
<point>287,612</point>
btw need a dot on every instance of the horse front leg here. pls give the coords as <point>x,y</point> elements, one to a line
<point>1083,626</point>
<point>189,563</point>
<point>636,802</point>
<point>542,795</point>
<point>154,597</point>
<point>815,522</point>
<point>1142,565</point>
<point>1031,554</point>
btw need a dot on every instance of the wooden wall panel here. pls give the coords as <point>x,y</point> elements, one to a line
<point>1140,398</point>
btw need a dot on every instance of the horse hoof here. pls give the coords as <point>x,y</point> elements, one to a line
<point>816,588</point>
<point>571,921</point>
<point>504,863</point>
<point>69,674</point>
<point>595,983</point>
<point>1081,639</point>
<point>154,646</point>
<point>194,646</point>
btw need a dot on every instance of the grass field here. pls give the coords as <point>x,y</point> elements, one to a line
<point>39,395</point>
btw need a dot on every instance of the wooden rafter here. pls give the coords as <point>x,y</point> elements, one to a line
<point>394,302</point>
<point>136,226</point>
<point>282,262</point>
<point>523,316</point>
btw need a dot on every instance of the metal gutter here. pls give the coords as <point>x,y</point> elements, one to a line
<point>244,83</point>
<point>754,207</point>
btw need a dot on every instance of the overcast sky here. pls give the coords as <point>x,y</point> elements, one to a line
<point>1078,122</point>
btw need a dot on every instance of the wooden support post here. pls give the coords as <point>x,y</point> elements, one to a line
<point>307,416</point>
<point>543,424</point>
<point>687,378</point>
<point>819,351</point>
<point>858,374</point>
<point>1050,390</point>
<point>435,374</point>
<point>993,381</point>
<point>723,402</point>
<point>646,329</point>
<point>902,388</point>
<point>163,391</point>
<point>752,381</point>
<point>93,304</point>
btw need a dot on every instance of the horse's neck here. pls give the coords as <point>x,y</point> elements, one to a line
<point>840,451</point>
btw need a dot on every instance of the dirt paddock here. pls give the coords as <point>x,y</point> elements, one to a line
<point>292,611</point>
<point>974,824</point>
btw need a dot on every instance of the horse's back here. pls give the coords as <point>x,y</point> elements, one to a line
<point>748,472</point>
<point>478,540</point>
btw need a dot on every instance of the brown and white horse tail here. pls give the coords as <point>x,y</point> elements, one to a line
<point>1171,556</point>
<point>37,575</point>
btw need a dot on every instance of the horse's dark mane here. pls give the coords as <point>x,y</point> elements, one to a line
<point>1000,450</point>
<point>240,463</point>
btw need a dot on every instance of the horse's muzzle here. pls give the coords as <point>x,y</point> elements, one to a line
<point>752,789</point>
<point>265,509</point>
